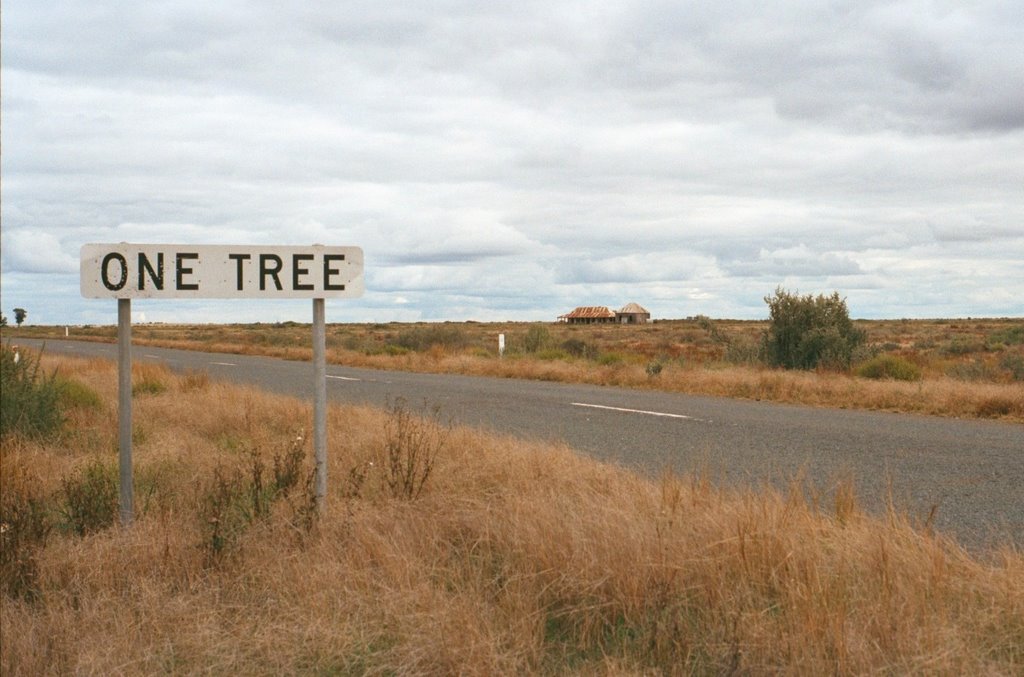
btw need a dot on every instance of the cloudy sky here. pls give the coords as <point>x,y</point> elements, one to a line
<point>514,160</point>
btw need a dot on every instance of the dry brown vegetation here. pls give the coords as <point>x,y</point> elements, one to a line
<point>971,368</point>
<point>513,558</point>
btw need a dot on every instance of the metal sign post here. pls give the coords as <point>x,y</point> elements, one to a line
<point>125,271</point>
<point>320,401</point>
<point>124,408</point>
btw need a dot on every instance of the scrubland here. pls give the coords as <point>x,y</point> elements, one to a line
<point>971,368</point>
<point>499,557</point>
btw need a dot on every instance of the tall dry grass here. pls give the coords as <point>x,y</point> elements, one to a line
<point>515,558</point>
<point>971,368</point>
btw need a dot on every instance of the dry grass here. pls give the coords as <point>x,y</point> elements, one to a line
<point>970,368</point>
<point>515,558</point>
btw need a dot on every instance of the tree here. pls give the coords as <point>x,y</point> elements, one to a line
<point>3,320</point>
<point>806,332</point>
<point>19,315</point>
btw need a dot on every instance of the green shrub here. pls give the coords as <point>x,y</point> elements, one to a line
<point>962,346</point>
<point>73,394</point>
<point>411,446</point>
<point>889,367</point>
<point>24,527</point>
<point>30,404</point>
<point>1014,364</point>
<point>550,354</point>
<point>654,368</point>
<point>579,348</point>
<point>91,498</point>
<point>1011,336</point>
<point>806,332</point>
<point>610,359</point>
<point>421,339</point>
<point>977,370</point>
<point>537,338</point>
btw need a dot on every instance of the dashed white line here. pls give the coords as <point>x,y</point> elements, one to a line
<point>225,364</point>
<point>344,378</point>
<point>636,411</point>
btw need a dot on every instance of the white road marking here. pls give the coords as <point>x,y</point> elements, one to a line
<point>344,378</point>
<point>225,364</point>
<point>636,411</point>
<point>152,357</point>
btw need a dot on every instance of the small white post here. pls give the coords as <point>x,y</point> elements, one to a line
<point>124,408</point>
<point>501,345</point>
<point>320,402</point>
<point>67,331</point>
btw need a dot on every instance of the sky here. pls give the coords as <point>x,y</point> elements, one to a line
<point>511,161</point>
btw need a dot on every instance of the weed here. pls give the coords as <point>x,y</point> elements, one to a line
<point>74,394</point>
<point>962,346</point>
<point>411,445</point>
<point>654,368</point>
<point>421,339</point>
<point>220,512</point>
<point>1011,336</point>
<point>889,367</point>
<point>610,359</point>
<point>551,354</point>
<point>90,499</point>
<point>149,379</point>
<point>31,401</point>
<point>288,466</point>
<point>994,407</point>
<point>579,348</point>
<point>1014,364</point>
<point>24,527</point>
<point>976,370</point>
<point>537,339</point>
<point>194,381</point>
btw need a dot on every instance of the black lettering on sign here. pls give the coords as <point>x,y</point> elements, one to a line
<point>239,258</point>
<point>182,271</point>
<point>297,270</point>
<point>157,276</point>
<point>105,271</point>
<point>329,271</point>
<point>268,270</point>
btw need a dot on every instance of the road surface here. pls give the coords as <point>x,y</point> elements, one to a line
<point>970,472</point>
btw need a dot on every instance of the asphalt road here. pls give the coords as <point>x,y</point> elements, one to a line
<point>970,472</point>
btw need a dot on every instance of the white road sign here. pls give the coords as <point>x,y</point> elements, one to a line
<point>150,271</point>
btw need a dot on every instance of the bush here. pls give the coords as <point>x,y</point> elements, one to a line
<point>537,338</point>
<point>31,401</point>
<point>1014,364</point>
<point>1011,336</point>
<point>91,499</point>
<point>579,348</point>
<point>890,367</point>
<point>411,446</point>
<point>806,332</point>
<point>24,527</point>
<point>421,339</point>
<point>78,395</point>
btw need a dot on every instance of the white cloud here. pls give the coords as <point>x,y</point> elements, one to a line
<point>31,251</point>
<point>506,161</point>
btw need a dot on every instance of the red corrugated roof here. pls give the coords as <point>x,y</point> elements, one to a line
<point>589,312</point>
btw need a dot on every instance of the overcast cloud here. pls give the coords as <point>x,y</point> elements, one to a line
<point>514,160</point>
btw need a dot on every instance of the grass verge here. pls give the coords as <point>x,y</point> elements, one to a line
<point>509,558</point>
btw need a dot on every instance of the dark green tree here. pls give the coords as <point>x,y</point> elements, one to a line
<point>806,332</point>
<point>19,315</point>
